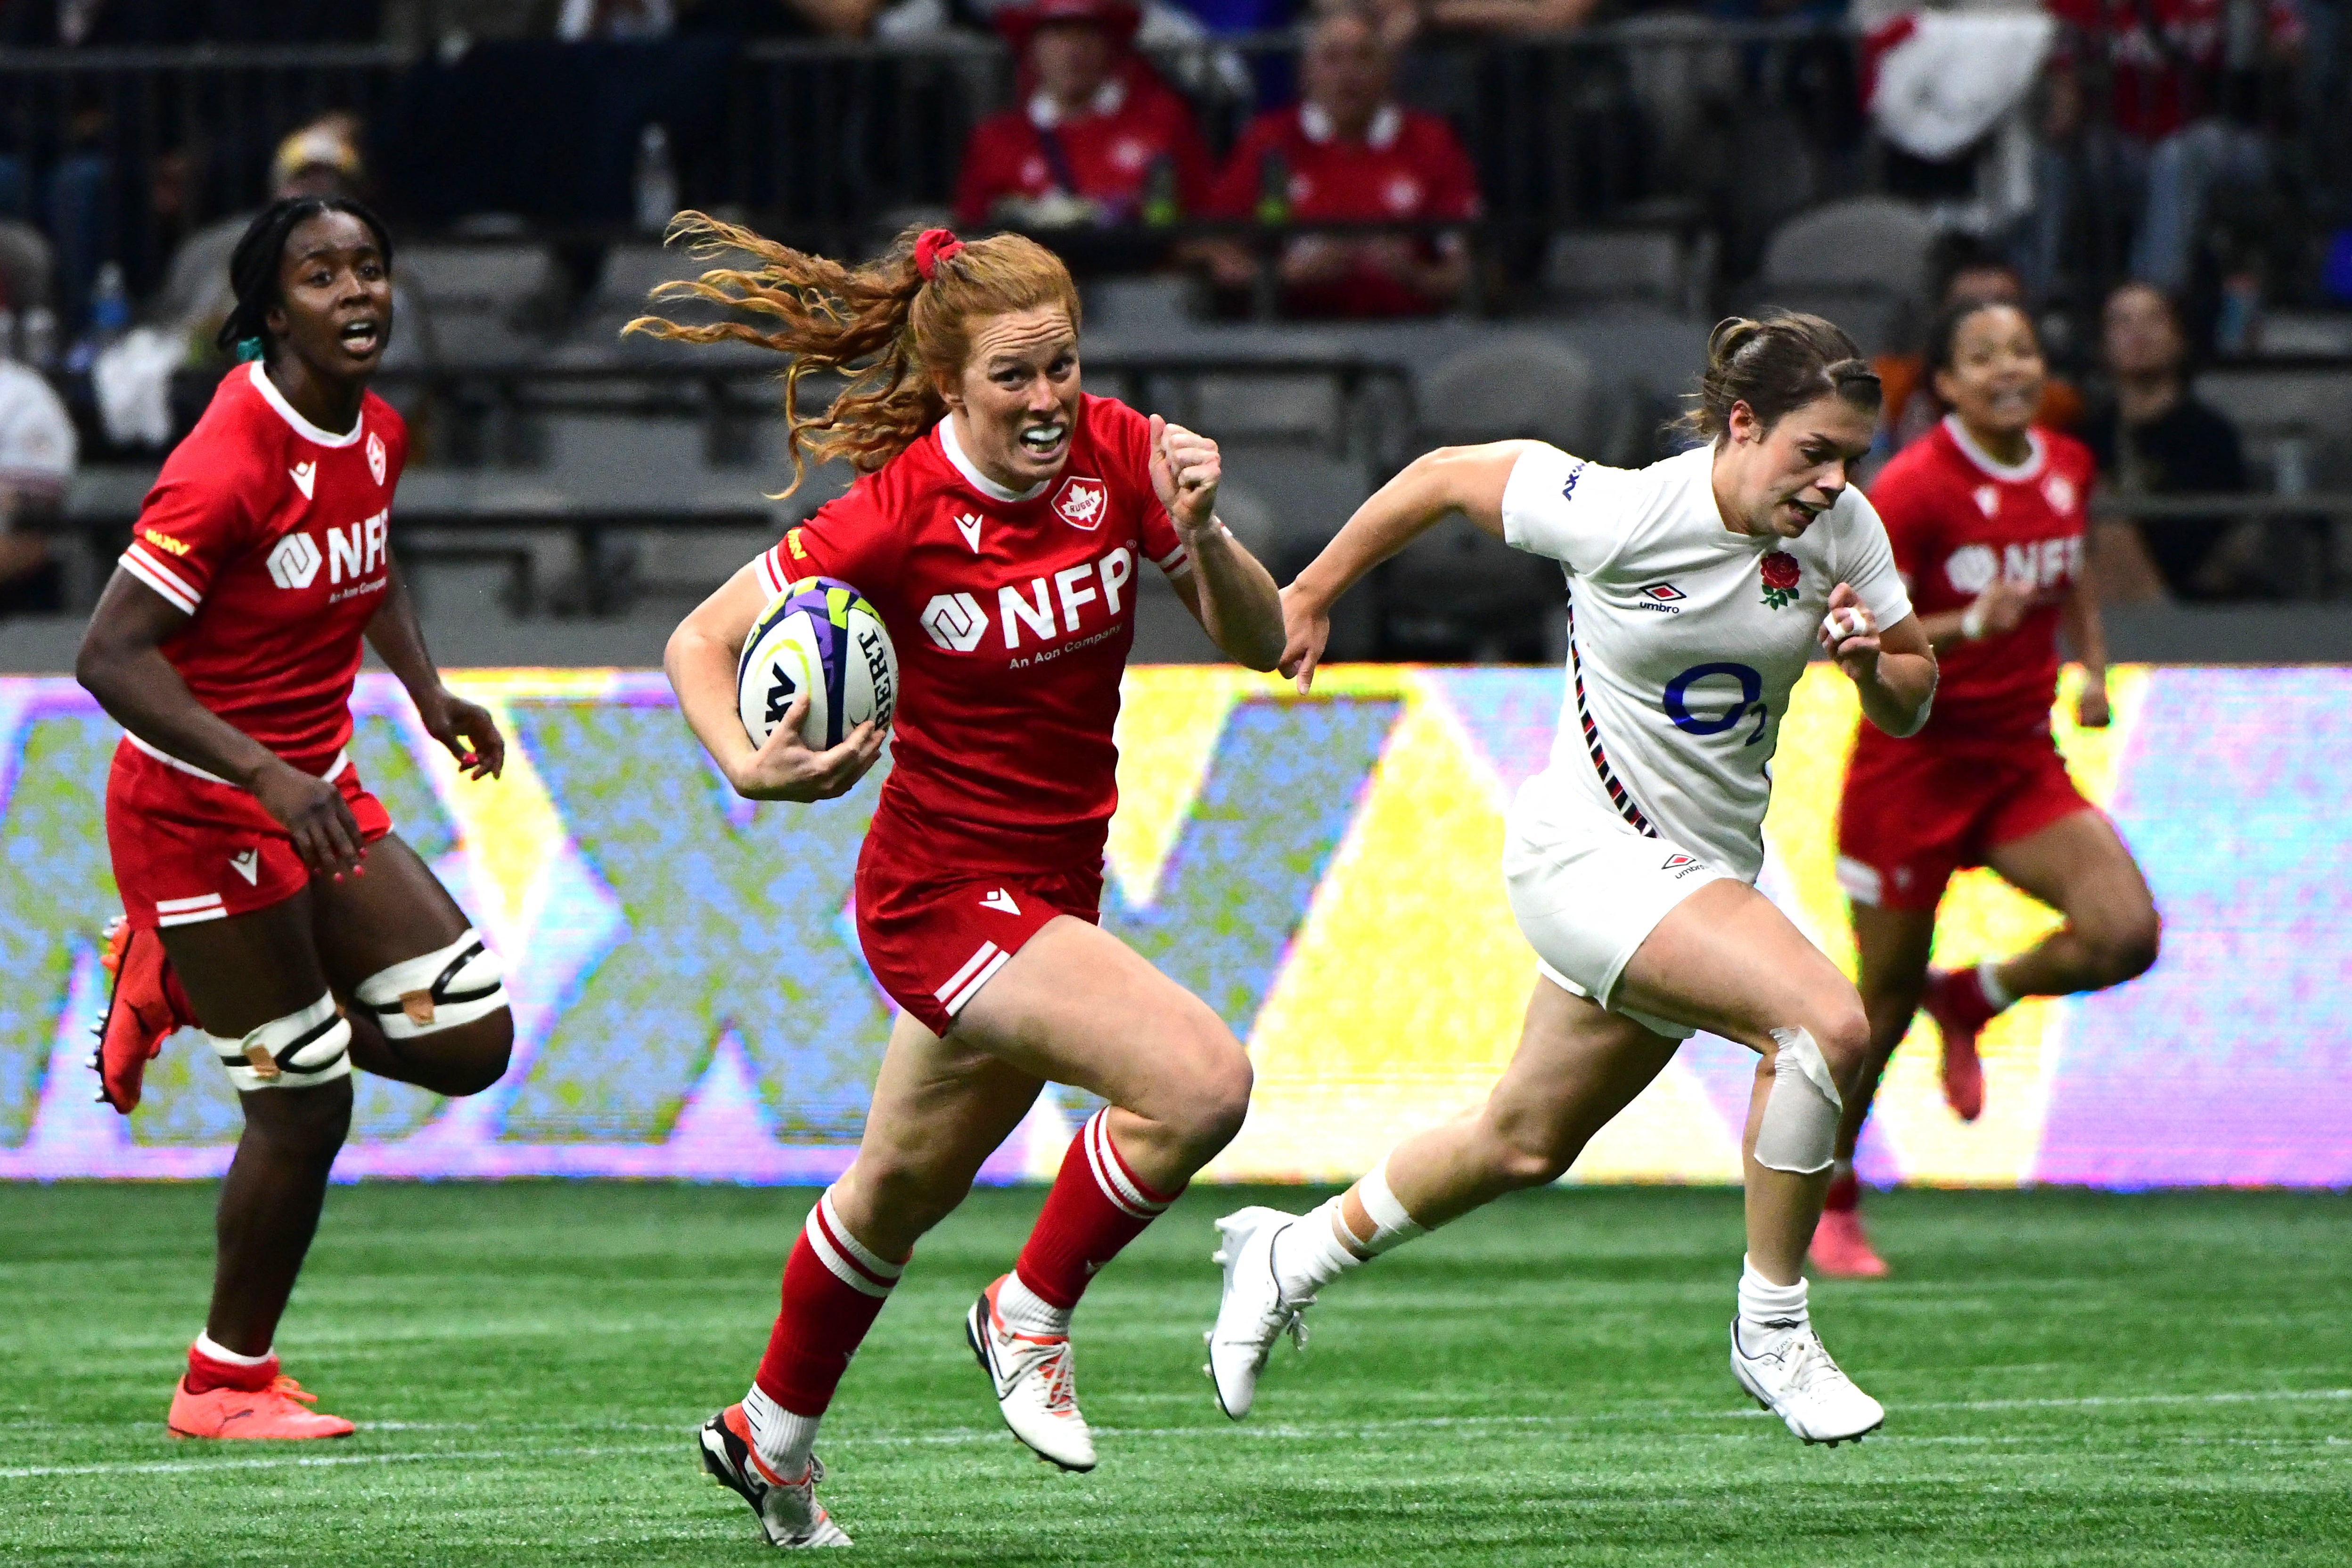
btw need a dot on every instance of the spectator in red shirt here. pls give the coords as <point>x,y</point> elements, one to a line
<point>1100,137</point>
<point>2137,106</point>
<point>1348,153</point>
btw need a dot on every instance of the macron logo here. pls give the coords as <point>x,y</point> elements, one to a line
<point>968,524</point>
<point>305,476</point>
<point>1001,901</point>
<point>246,866</point>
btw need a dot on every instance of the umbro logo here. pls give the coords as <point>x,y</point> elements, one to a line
<point>1663,597</point>
<point>306,477</point>
<point>1001,901</point>
<point>247,865</point>
<point>1682,865</point>
<point>968,524</point>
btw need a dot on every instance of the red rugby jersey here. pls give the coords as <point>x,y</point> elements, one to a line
<point>1013,614</point>
<point>273,535</point>
<point>1958,518</point>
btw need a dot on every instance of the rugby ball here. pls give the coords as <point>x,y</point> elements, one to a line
<point>822,637</point>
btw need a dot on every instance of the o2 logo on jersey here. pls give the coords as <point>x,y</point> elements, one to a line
<point>1676,700</point>
<point>376,455</point>
<point>955,622</point>
<point>1083,503</point>
<point>294,562</point>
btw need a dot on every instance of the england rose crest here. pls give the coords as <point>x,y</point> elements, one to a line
<point>1781,574</point>
<point>1082,503</point>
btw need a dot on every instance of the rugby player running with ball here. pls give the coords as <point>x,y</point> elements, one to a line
<point>1696,589</point>
<point>999,526</point>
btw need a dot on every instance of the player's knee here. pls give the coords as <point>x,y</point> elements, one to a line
<point>896,1197</point>
<point>2125,947</point>
<point>1841,1032</point>
<point>472,1056</point>
<point>1216,1101</point>
<point>446,1011</point>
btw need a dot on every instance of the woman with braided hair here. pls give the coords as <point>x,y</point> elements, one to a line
<point>998,522</point>
<point>1696,588</point>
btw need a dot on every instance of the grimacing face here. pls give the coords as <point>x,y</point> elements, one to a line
<point>1776,479</point>
<point>1018,394</point>
<point>1994,383</point>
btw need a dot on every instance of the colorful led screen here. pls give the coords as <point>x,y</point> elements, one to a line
<point>690,1000</point>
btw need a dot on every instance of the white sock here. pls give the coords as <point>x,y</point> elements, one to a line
<point>782,1439</point>
<point>213,1350</point>
<point>1026,1311</point>
<point>1997,995</point>
<point>1310,1254</point>
<point>1768,1311</point>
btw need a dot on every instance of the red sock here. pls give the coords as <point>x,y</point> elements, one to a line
<point>1096,1208</point>
<point>1845,1193</point>
<point>207,1373</point>
<point>833,1289</point>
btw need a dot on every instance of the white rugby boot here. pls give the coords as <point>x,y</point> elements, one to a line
<point>1793,1378</point>
<point>1036,1384</point>
<point>1252,1313</point>
<point>789,1513</point>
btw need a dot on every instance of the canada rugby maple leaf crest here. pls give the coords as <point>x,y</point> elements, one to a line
<point>1082,503</point>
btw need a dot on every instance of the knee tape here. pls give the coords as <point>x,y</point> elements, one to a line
<point>458,984</point>
<point>1799,1131</point>
<point>301,1050</point>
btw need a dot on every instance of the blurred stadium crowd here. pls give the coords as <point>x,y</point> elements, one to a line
<point>1330,234</point>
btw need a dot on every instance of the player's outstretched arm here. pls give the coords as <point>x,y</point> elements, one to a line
<point>700,663</point>
<point>465,728</point>
<point>1893,670</point>
<point>1468,479</point>
<point>121,665</point>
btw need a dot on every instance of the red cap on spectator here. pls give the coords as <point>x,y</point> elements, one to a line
<point>1119,19</point>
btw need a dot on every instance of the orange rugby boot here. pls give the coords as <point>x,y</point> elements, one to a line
<point>146,1006</point>
<point>283,1410</point>
<point>1957,1002</point>
<point>1842,1248</point>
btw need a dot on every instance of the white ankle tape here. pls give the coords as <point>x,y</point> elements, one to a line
<point>457,985</point>
<point>1799,1130</point>
<point>298,1051</point>
<point>1391,1225</point>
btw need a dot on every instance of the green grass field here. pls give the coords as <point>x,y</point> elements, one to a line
<point>2070,1378</point>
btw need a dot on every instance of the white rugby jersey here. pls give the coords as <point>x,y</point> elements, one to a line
<point>1684,639</point>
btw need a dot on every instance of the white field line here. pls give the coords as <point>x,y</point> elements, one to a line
<point>968,1435</point>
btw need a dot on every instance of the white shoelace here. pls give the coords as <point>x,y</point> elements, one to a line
<point>1052,1364</point>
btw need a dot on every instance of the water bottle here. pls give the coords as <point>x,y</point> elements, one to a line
<point>1162,207</point>
<point>38,337</point>
<point>656,181</point>
<point>1274,188</point>
<point>110,305</point>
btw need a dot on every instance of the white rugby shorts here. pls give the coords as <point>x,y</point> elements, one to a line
<point>1588,890</point>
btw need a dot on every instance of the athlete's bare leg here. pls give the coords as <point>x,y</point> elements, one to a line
<point>1577,1066</point>
<point>1727,960</point>
<point>239,973</point>
<point>1078,1005</point>
<point>1893,947</point>
<point>2080,867</point>
<point>363,925</point>
<point>940,1108</point>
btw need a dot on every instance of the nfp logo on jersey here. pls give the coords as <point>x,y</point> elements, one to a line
<point>959,622</point>
<point>355,552</point>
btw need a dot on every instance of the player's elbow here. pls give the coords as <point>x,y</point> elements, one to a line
<point>97,664</point>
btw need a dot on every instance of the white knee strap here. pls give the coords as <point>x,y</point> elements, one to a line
<point>301,1050</point>
<point>1799,1131</point>
<point>458,984</point>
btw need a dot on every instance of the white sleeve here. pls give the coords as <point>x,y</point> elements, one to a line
<point>1574,512</point>
<point>37,436</point>
<point>1865,561</point>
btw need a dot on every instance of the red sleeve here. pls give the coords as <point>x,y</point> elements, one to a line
<point>1234,192</point>
<point>851,539</point>
<point>194,520</point>
<point>1452,180</point>
<point>1904,495</point>
<point>991,161</point>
